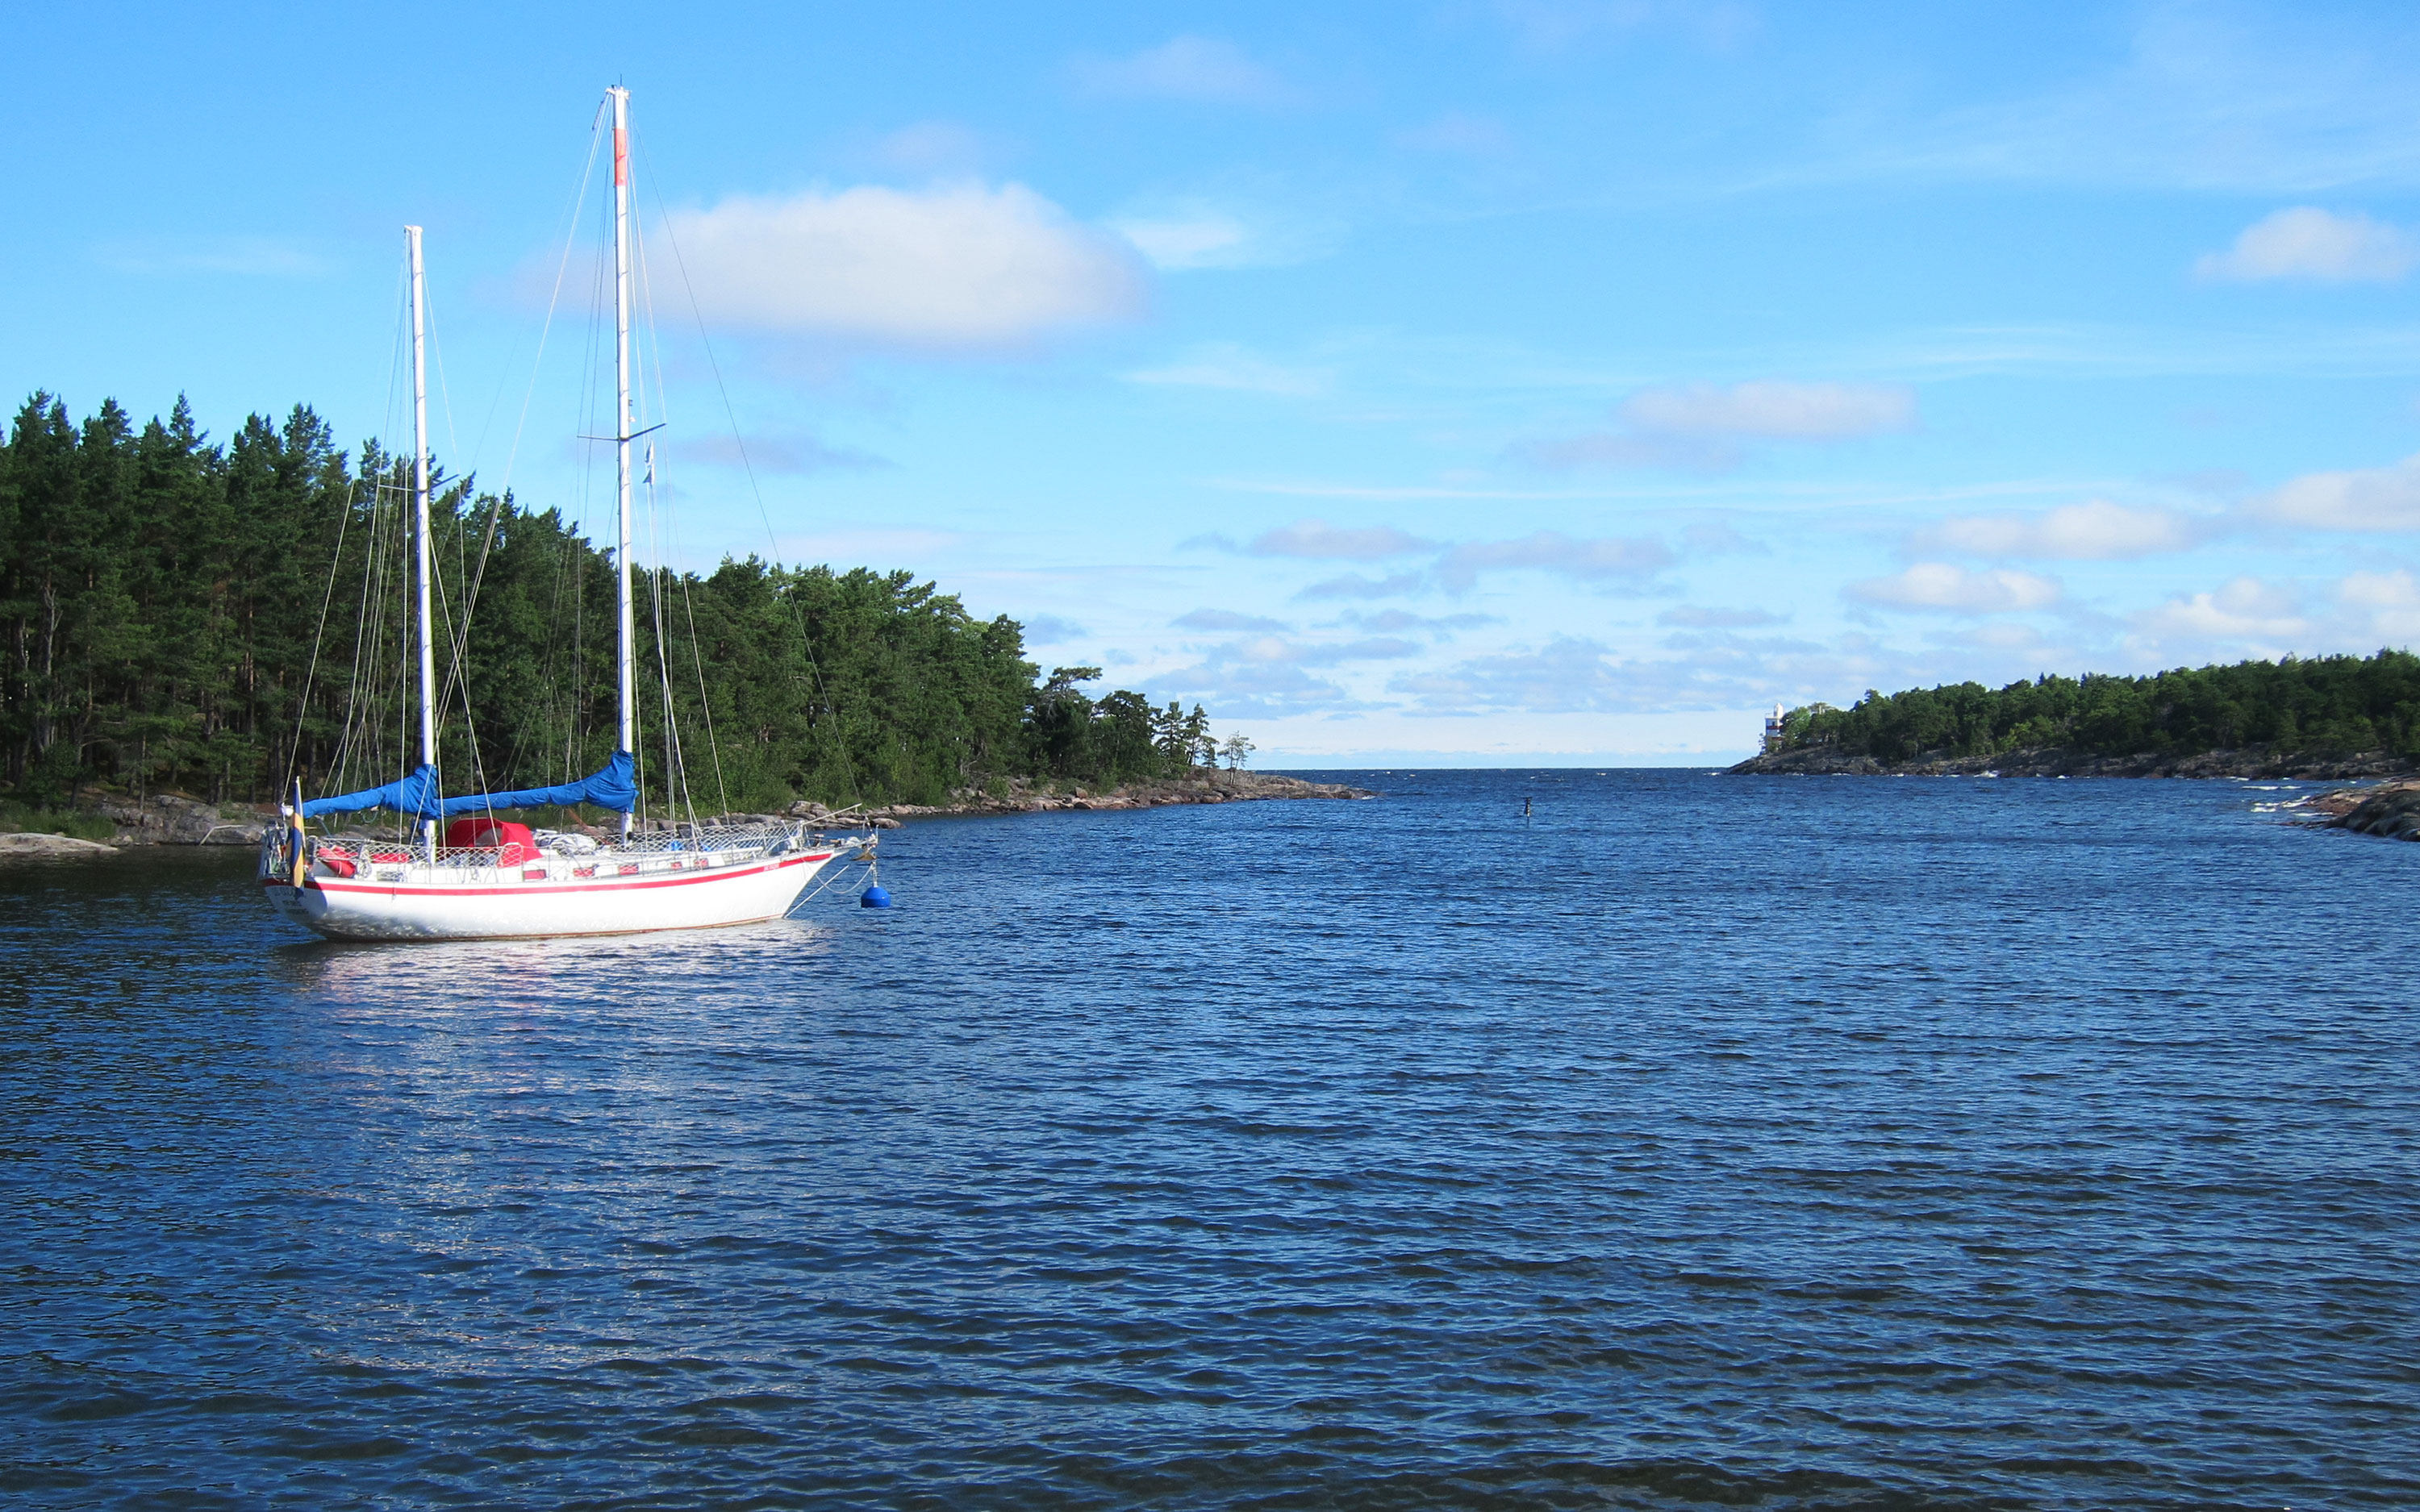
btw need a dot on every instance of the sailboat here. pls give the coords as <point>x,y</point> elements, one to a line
<point>488,878</point>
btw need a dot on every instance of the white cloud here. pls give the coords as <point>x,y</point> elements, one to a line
<point>2369,499</point>
<point>1938,586</point>
<point>2307,242</point>
<point>1773,409</point>
<point>1201,69</point>
<point>1226,365</point>
<point>1319,540</point>
<point>2095,530</point>
<point>1599,560</point>
<point>2246,613</point>
<point>953,266</point>
<point>2386,605</point>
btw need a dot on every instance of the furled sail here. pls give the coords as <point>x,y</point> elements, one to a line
<point>610,786</point>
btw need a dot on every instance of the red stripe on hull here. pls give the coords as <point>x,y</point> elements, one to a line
<point>531,890</point>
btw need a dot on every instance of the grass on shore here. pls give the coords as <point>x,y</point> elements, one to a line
<point>15,818</point>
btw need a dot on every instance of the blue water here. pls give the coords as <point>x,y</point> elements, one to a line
<point>1700,1142</point>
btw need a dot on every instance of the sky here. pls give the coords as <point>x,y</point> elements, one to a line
<point>1478,382</point>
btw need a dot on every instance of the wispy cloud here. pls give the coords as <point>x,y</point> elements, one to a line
<point>1629,560</point>
<point>1187,67</point>
<point>1458,132</point>
<point>932,147</point>
<point>1571,675</point>
<point>1238,227</point>
<point>1050,630</point>
<point>2095,530</point>
<point>1394,585</point>
<point>1697,617</point>
<point>1224,619</point>
<point>2318,246</point>
<point>1318,540</point>
<point>1228,365</point>
<point>1559,26</point>
<point>1705,425</point>
<point>1397,621</point>
<point>790,453</point>
<point>2206,98</point>
<point>957,267</point>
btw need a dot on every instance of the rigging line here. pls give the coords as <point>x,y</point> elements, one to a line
<point>373,457</point>
<point>676,772</point>
<point>664,409</point>
<point>713,746</point>
<point>320,634</point>
<point>337,559</point>
<point>571,231</point>
<point>806,643</point>
<point>677,788</point>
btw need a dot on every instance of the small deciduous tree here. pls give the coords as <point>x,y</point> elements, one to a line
<point>1238,752</point>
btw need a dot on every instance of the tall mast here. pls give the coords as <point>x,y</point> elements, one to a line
<point>424,558</point>
<point>628,669</point>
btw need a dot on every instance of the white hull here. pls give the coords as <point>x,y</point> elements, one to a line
<point>417,901</point>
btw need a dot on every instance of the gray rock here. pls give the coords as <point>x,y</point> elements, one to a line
<point>20,847</point>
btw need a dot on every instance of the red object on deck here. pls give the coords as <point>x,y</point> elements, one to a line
<point>513,844</point>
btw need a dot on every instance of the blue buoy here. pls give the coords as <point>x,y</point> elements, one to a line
<point>873,897</point>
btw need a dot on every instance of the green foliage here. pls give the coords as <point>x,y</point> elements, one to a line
<point>216,619</point>
<point>2324,705</point>
<point>16,819</point>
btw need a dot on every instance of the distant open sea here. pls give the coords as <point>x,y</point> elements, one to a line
<point>1701,1141</point>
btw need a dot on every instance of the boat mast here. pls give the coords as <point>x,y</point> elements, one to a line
<point>424,558</point>
<point>628,669</point>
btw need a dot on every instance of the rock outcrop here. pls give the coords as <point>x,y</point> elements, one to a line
<point>2052,761</point>
<point>2390,809</point>
<point>173,819</point>
<point>22,847</point>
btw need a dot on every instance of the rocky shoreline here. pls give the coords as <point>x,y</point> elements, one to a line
<point>2391,809</point>
<point>173,819</point>
<point>2052,761</point>
<point>1203,785</point>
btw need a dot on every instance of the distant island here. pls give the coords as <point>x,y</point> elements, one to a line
<point>2329,718</point>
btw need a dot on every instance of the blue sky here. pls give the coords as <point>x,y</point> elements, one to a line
<point>1489,382</point>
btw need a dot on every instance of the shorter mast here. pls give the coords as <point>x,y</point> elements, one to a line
<point>424,558</point>
<point>626,669</point>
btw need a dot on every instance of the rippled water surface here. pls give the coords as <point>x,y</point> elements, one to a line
<point>1700,1142</point>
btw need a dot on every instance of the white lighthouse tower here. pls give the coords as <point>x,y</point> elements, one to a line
<point>1773,729</point>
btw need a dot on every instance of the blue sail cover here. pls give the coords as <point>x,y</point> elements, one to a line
<point>610,786</point>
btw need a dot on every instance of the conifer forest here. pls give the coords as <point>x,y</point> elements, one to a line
<point>223,619</point>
